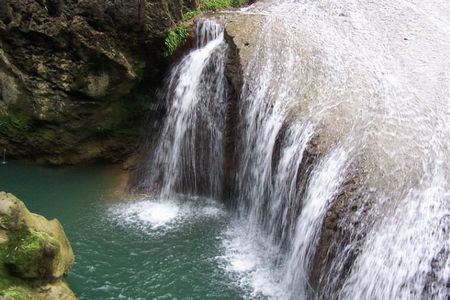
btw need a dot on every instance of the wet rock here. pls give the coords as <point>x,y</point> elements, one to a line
<point>343,231</point>
<point>236,33</point>
<point>241,29</point>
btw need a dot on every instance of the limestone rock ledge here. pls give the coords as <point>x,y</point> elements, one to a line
<point>35,254</point>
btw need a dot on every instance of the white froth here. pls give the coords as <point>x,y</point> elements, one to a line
<point>159,215</point>
<point>156,214</point>
<point>248,260</point>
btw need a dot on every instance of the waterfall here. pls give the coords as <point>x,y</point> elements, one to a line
<point>341,182</point>
<point>189,154</point>
<point>371,152</point>
<point>323,186</point>
<point>407,254</point>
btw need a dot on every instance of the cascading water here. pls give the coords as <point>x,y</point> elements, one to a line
<point>324,65</point>
<point>189,155</point>
<point>341,184</point>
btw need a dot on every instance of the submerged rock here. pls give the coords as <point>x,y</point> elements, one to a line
<point>35,254</point>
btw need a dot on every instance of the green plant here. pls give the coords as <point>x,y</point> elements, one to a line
<point>209,5</point>
<point>191,14</point>
<point>175,39</point>
<point>239,2</point>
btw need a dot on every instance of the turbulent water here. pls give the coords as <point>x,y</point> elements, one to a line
<point>341,186</point>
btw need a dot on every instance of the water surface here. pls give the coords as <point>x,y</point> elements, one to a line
<point>149,249</point>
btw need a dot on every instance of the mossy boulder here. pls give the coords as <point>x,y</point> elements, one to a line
<point>35,254</point>
<point>37,248</point>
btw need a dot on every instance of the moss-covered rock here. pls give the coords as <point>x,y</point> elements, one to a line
<point>15,293</point>
<point>35,254</point>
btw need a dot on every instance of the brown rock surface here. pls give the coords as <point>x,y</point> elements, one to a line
<point>78,77</point>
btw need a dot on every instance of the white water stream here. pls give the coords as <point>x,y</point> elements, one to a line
<point>191,142</point>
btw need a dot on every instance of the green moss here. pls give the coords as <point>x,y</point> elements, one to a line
<point>5,221</point>
<point>25,252</point>
<point>13,122</point>
<point>177,36</point>
<point>16,293</point>
<point>28,251</point>
<point>115,114</point>
<point>8,283</point>
<point>47,135</point>
<point>5,278</point>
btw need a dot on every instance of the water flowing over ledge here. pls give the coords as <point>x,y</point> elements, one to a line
<point>189,154</point>
<point>340,174</point>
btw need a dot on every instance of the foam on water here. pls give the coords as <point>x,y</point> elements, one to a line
<point>155,213</point>
<point>249,262</point>
<point>156,216</point>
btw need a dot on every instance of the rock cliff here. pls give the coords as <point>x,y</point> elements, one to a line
<point>77,77</point>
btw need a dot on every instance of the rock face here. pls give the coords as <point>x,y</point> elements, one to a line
<point>240,33</point>
<point>77,76</point>
<point>34,254</point>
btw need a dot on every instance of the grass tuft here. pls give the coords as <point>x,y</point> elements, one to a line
<point>175,39</point>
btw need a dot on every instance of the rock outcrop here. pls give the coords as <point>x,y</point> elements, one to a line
<point>77,77</point>
<point>35,254</point>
